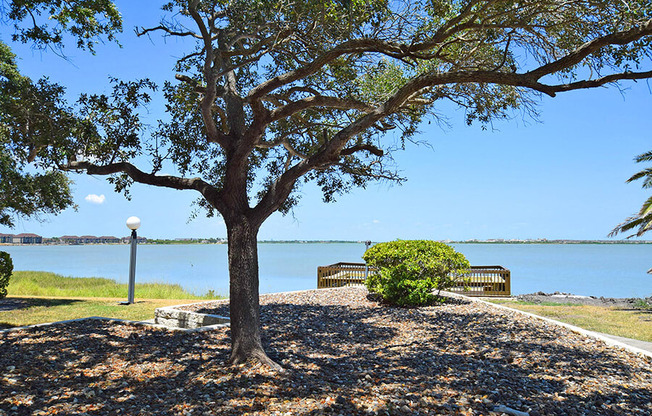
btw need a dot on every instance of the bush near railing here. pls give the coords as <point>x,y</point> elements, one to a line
<point>410,270</point>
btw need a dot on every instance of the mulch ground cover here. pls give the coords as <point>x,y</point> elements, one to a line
<point>343,354</point>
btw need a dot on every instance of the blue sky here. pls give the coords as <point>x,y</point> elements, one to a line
<point>563,177</point>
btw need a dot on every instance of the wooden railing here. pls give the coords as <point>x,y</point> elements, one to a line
<point>341,274</point>
<point>485,281</point>
<point>480,280</point>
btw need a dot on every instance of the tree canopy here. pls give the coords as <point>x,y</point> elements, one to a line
<point>36,123</point>
<point>47,23</point>
<point>32,117</point>
<point>276,93</point>
<point>310,89</point>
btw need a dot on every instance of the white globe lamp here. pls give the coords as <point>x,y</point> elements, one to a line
<point>133,223</point>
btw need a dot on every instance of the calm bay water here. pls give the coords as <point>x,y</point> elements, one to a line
<point>614,270</point>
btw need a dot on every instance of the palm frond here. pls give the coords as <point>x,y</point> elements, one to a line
<point>642,222</point>
<point>645,157</point>
<point>646,209</point>
<point>645,173</point>
<point>647,183</point>
<point>628,224</point>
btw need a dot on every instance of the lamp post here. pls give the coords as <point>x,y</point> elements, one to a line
<point>132,223</point>
<point>367,244</point>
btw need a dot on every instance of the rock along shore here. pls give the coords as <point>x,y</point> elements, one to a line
<point>569,298</point>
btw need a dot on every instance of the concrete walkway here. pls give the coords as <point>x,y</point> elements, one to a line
<point>647,346</point>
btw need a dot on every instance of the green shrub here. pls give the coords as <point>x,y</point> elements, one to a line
<point>6,268</point>
<point>408,271</point>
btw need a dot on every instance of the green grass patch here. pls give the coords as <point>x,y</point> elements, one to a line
<point>32,311</point>
<point>28,283</point>
<point>40,297</point>
<point>636,324</point>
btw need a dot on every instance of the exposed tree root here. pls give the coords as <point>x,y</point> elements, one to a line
<point>255,357</point>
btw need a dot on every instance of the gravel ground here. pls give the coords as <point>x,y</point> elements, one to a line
<point>343,354</point>
<point>560,297</point>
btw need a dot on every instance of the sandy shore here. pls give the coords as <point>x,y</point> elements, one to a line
<point>343,355</point>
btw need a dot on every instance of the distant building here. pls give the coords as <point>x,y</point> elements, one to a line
<point>128,239</point>
<point>66,239</point>
<point>89,239</point>
<point>24,238</point>
<point>28,238</point>
<point>108,239</point>
<point>70,239</point>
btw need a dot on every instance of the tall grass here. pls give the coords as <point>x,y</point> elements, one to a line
<point>29,283</point>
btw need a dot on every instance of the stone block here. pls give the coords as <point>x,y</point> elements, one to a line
<point>175,318</point>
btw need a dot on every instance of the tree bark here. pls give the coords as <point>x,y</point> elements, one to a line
<point>244,301</point>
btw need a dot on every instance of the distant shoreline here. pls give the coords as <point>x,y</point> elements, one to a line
<point>551,242</point>
<point>469,242</point>
<point>204,241</point>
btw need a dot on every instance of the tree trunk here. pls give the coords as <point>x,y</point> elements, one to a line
<point>244,305</point>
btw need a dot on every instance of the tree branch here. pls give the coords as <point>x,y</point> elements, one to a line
<point>359,147</point>
<point>318,101</point>
<point>241,64</point>
<point>167,30</point>
<point>190,55</point>
<point>552,89</point>
<point>352,46</point>
<point>253,50</point>
<point>576,56</point>
<point>212,132</point>
<point>285,143</point>
<point>192,82</point>
<point>174,182</point>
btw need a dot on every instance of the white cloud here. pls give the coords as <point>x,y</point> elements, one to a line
<point>376,221</point>
<point>95,199</point>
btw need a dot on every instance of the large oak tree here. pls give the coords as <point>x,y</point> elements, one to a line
<point>277,92</point>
